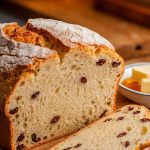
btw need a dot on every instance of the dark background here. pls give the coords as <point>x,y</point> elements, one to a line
<point>9,12</point>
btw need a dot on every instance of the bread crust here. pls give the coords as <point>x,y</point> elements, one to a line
<point>13,53</point>
<point>70,35</point>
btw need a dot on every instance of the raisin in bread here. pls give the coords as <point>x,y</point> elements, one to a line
<point>55,79</point>
<point>126,129</point>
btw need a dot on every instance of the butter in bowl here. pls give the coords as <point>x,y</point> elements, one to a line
<point>135,83</point>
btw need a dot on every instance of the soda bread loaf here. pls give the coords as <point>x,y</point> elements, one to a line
<point>126,129</point>
<point>55,78</point>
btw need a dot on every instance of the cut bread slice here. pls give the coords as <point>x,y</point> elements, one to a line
<point>126,129</point>
<point>55,79</point>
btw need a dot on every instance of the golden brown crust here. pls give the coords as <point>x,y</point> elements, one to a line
<point>15,53</point>
<point>21,34</point>
<point>70,35</point>
<point>143,147</point>
<point>60,46</point>
<point>54,42</point>
<point>117,81</point>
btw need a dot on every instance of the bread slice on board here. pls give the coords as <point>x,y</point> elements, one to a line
<point>126,129</point>
<point>55,78</point>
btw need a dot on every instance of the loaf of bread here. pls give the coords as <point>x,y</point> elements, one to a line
<point>126,129</point>
<point>55,78</point>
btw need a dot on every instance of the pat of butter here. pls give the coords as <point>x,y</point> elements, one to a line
<point>140,72</point>
<point>145,85</point>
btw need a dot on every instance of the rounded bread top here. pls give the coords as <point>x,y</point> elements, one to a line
<point>71,35</point>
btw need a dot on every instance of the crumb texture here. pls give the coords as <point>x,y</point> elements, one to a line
<point>78,96</point>
<point>127,129</point>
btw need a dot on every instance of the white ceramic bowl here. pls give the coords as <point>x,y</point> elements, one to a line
<point>137,97</point>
